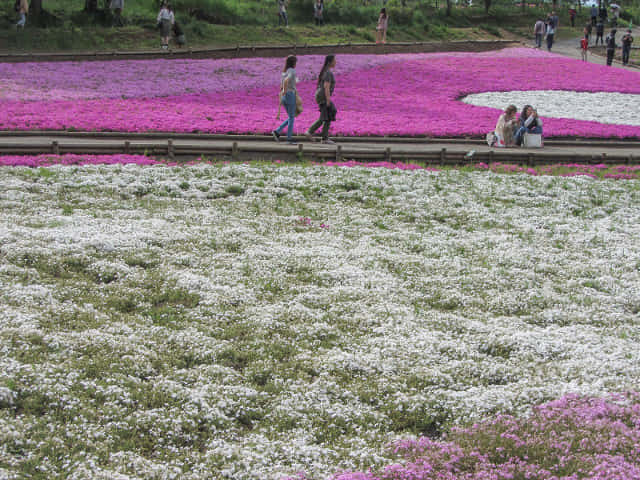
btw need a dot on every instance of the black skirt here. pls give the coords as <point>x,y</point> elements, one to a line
<point>328,112</point>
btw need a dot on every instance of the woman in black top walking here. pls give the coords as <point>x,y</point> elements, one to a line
<point>324,91</point>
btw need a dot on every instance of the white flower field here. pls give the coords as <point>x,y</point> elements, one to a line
<point>254,321</point>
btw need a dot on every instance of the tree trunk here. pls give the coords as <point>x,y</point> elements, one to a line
<point>35,9</point>
<point>449,8</point>
<point>90,6</point>
<point>487,5</point>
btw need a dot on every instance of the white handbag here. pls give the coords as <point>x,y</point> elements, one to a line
<point>532,140</point>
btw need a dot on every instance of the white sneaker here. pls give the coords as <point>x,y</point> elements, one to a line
<point>328,141</point>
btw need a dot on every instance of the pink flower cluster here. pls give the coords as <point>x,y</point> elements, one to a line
<point>375,95</point>
<point>307,222</point>
<point>567,439</point>
<point>71,159</point>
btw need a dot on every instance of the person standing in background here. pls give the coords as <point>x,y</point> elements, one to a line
<point>166,20</point>
<point>538,31</point>
<point>627,40</point>
<point>117,6</point>
<point>587,31</point>
<point>282,13</point>
<point>600,32</point>
<point>584,48</point>
<point>551,30</point>
<point>318,10</point>
<point>594,15</point>
<point>23,10</point>
<point>572,16</point>
<point>381,28</point>
<point>611,46</point>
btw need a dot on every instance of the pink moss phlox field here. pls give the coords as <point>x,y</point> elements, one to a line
<point>72,159</point>
<point>568,439</point>
<point>156,78</point>
<point>408,94</point>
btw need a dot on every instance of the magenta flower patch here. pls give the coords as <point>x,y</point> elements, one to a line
<point>375,95</point>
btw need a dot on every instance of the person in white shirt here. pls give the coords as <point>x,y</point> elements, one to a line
<point>166,19</point>
<point>502,136</point>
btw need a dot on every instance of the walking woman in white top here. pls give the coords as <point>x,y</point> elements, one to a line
<point>288,98</point>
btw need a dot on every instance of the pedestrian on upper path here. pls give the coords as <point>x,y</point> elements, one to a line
<point>318,11</point>
<point>539,30</point>
<point>611,46</point>
<point>551,30</point>
<point>282,13</point>
<point>603,14</point>
<point>555,19</point>
<point>587,31</point>
<point>117,6</point>
<point>584,48</point>
<point>627,40</point>
<point>23,10</point>
<point>324,92</point>
<point>288,96</point>
<point>572,16</point>
<point>166,19</point>
<point>615,16</point>
<point>600,32</point>
<point>381,28</point>
<point>594,15</point>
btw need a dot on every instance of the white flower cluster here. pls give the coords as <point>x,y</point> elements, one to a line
<point>602,107</point>
<point>200,322</point>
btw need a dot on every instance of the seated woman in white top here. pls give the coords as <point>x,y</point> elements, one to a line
<point>502,136</point>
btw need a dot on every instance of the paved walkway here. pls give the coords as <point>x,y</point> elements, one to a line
<point>571,48</point>
<point>250,147</point>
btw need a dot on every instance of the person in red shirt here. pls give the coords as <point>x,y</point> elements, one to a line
<point>584,48</point>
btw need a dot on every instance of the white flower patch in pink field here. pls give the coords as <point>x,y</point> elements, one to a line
<point>408,94</point>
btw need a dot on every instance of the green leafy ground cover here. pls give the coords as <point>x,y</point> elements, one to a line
<point>250,321</point>
<point>223,23</point>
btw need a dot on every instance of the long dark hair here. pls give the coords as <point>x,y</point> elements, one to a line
<point>523,115</point>
<point>291,62</point>
<point>383,12</point>
<point>328,60</point>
